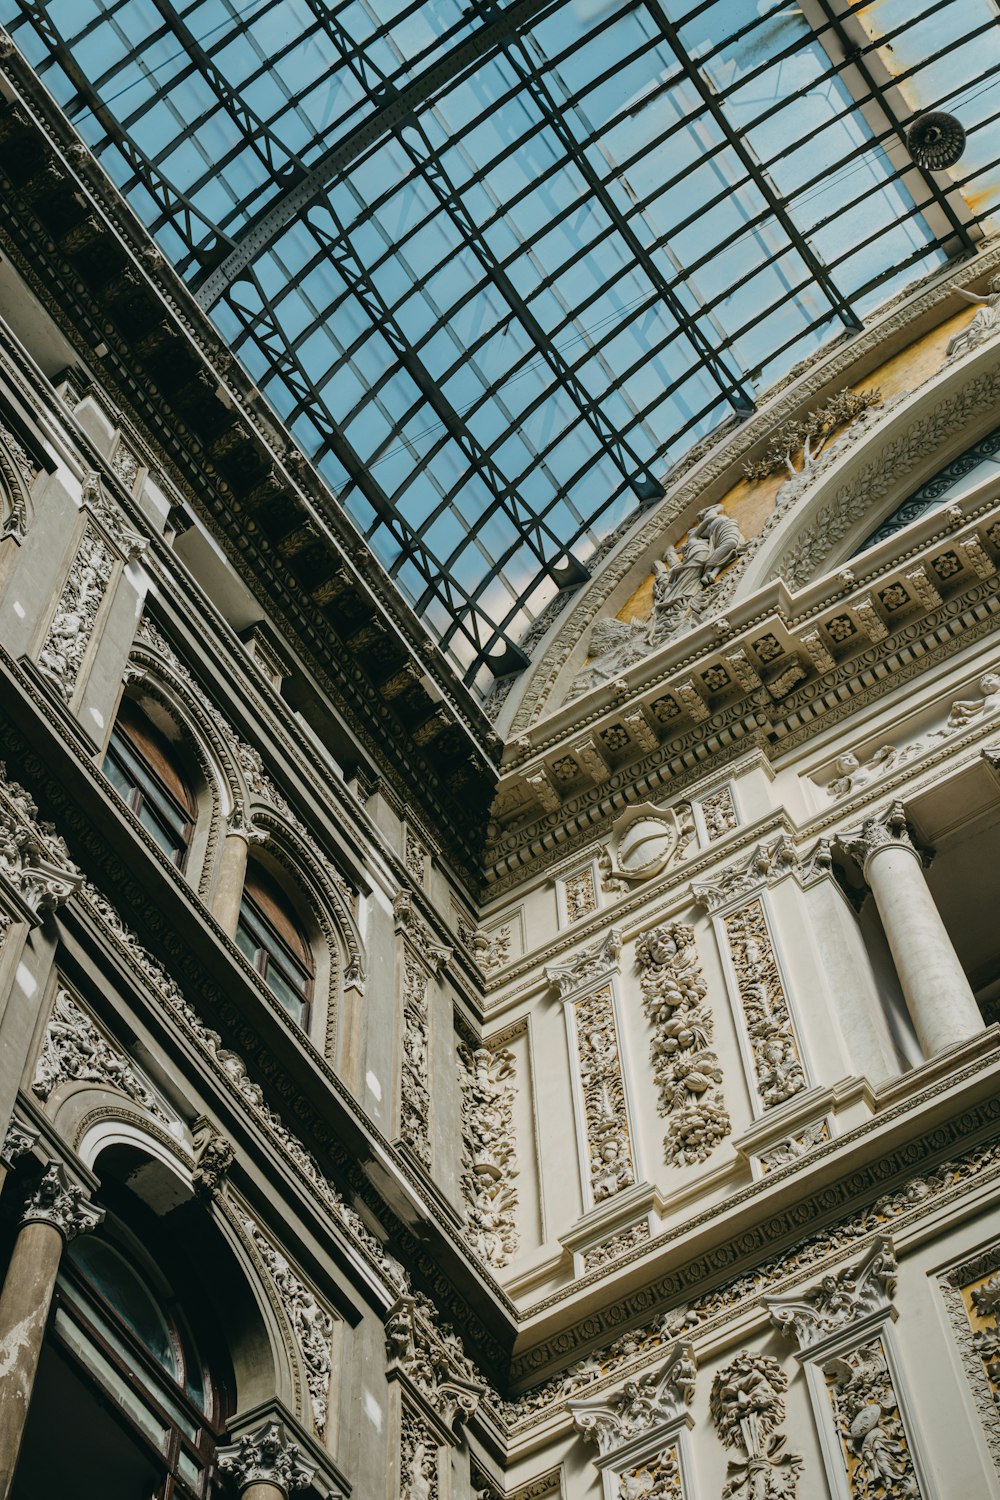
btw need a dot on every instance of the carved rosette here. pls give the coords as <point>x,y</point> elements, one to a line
<point>310,1323</point>
<point>747,1406</point>
<point>74,1051</point>
<point>490,1156</point>
<point>266,1456</point>
<point>687,1072</point>
<point>774,1050</point>
<point>62,1203</point>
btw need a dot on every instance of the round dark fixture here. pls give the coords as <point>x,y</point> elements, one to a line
<point>936,141</point>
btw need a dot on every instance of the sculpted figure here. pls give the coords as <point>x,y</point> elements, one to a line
<point>965,710</point>
<point>983,326</point>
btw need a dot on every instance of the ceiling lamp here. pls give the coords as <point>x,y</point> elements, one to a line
<point>936,141</point>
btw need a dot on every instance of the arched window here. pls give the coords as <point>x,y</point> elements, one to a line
<point>127,1403</point>
<point>270,935</point>
<point>141,764</point>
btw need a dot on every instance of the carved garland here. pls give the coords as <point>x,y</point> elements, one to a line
<point>688,1074</point>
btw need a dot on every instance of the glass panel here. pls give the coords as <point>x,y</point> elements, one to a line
<point>120,1284</point>
<point>591,233</point>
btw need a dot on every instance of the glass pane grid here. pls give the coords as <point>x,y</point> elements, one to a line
<point>495,317</point>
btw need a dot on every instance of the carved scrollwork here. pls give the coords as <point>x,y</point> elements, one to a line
<point>839,1299</point>
<point>430,1361</point>
<point>660,1396</point>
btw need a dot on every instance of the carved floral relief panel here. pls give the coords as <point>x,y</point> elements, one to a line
<point>971,1294</point>
<point>866,1412</point>
<point>65,645</point>
<point>579,892</point>
<point>687,1071</point>
<point>774,1050</point>
<point>490,1158</point>
<point>611,1161</point>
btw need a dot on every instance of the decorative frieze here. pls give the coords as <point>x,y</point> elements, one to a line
<point>687,1072</point>
<point>901,1206</point>
<point>62,1203</point>
<point>777,1065</point>
<point>74,1051</point>
<point>747,1406</point>
<point>311,1325</point>
<point>490,1155</point>
<point>268,1457</point>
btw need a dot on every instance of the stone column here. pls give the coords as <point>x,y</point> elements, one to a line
<point>56,1211</point>
<point>265,1464</point>
<point>937,993</point>
<point>232,873</point>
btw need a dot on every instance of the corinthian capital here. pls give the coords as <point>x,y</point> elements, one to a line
<point>266,1456</point>
<point>882,830</point>
<point>62,1203</point>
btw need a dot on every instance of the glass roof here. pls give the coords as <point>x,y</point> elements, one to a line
<point>498,266</point>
